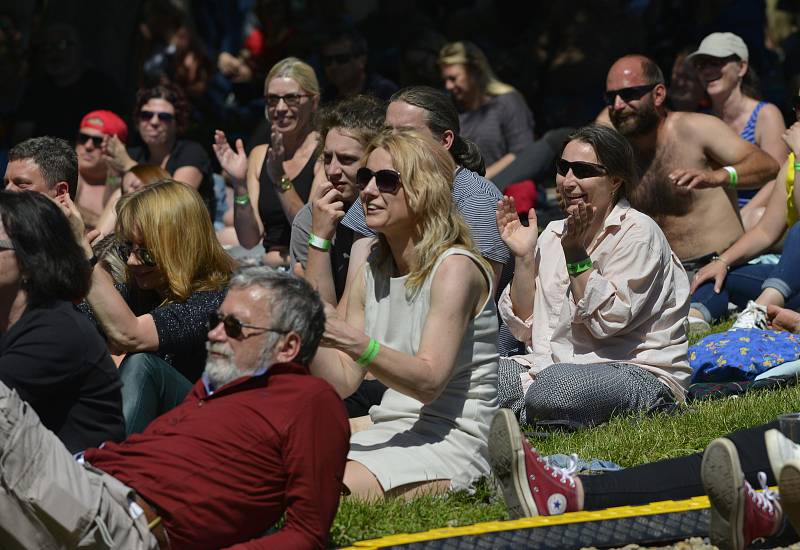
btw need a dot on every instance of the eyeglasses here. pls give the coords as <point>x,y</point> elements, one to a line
<point>82,139</point>
<point>5,244</point>
<point>628,94</point>
<point>337,59</point>
<point>146,116</point>
<point>387,181</point>
<point>144,255</point>
<point>233,326</point>
<point>291,100</point>
<point>580,169</point>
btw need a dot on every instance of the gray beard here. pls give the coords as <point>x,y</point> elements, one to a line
<point>221,370</point>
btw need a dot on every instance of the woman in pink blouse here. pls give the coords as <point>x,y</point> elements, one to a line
<point>599,297</point>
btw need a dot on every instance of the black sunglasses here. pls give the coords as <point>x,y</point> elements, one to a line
<point>291,100</point>
<point>628,94</point>
<point>145,116</point>
<point>145,256</point>
<point>337,59</point>
<point>6,244</point>
<point>233,326</point>
<point>580,169</point>
<point>387,181</point>
<point>82,139</point>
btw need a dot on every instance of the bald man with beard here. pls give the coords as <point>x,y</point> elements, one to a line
<point>686,162</point>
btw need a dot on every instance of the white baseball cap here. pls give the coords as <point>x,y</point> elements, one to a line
<point>722,44</point>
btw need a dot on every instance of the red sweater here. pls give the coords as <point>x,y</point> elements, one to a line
<point>222,469</point>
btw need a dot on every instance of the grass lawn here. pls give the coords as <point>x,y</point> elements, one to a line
<point>627,441</point>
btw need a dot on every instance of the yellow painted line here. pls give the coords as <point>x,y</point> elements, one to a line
<point>621,512</point>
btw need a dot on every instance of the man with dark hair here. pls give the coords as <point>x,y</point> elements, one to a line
<point>257,439</point>
<point>690,164</point>
<point>344,58</point>
<point>44,164</point>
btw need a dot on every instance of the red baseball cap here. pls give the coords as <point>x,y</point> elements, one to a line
<point>107,122</point>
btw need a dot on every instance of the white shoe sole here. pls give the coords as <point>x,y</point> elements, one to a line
<point>723,481</point>
<point>507,458</point>
<point>772,441</point>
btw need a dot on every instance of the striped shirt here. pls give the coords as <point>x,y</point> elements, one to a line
<point>475,198</point>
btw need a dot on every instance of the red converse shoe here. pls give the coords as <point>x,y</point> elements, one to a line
<point>530,486</point>
<point>739,515</point>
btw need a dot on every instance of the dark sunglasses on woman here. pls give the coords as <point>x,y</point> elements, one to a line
<point>146,116</point>
<point>145,256</point>
<point>82,139</point>
<point>387,181</point>
<point>580,169</point>
<point>233,326</point>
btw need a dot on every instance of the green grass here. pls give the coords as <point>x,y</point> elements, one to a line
<point>626,440</point>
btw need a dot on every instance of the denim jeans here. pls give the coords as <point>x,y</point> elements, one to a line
<point>746,282</point>
<point>150,387</point>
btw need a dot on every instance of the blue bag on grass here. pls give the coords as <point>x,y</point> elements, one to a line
<point>741,354</point>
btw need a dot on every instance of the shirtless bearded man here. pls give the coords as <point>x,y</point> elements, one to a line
<point>685,162</point>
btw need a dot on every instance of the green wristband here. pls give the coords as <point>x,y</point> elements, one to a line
<point>369,354</point>
<point>797,166</point>
<point>242,200</point>
<point>319,243</point>
<point>579,267</point>
<point>733,176</point>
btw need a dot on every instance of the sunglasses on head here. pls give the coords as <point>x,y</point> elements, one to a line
<point>387,181</point>
<point>146,116</point>
<point>82,139</point>
<point>628,94</point>
<point>145,256</point>
<point>580,169</point>
<point>291,100</point>
<point>337,59</point>
<point>233,326</point>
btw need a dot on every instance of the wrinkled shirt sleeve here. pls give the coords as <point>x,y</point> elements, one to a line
<point>520,329</point>
<point>615,296</point>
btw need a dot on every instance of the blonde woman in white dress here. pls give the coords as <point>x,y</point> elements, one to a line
<point>419,317</point>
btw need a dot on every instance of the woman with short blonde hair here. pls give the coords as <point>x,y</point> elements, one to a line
<point>420,318</point>
<point>176,274</point>
<point>274,182</point>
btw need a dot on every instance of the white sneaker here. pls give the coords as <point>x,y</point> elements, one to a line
<point>780,450</point>
<point>696,325</point>
<point>753,316</point>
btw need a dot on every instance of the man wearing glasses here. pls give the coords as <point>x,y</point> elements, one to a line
<point>257,439</point>
<point>690,164</point>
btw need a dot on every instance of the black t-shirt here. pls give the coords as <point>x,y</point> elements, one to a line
<point>58,363</point>
<point>186,153</point>
<point>182,327</point>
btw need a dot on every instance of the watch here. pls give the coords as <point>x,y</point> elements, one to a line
<point>285,183</point>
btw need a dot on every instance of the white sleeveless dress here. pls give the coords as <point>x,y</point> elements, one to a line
<point>447,439</point>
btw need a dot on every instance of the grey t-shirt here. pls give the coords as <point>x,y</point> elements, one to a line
<point>501,126</point>
<point>340,247</point>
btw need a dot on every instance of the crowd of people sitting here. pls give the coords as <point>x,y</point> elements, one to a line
<point>355,309</point>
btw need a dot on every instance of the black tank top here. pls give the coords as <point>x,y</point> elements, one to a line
<point>277,229</point>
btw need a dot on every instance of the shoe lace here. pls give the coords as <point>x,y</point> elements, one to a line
<point>765,500</point>
<point>567,474</point>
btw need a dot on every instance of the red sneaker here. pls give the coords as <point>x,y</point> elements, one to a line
<point>739,515</point>
<point>530,486</point>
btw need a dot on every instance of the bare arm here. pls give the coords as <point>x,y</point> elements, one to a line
<point>326,212</point>
<point>359,252</point>
<point>769,132</point>
<point>499,165</point>
<point>108,219</point>
<point>189,175</point>
<point>521,241</point>
<point>723,147</point>
<point>457,290</point>
<point>246,219</point>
